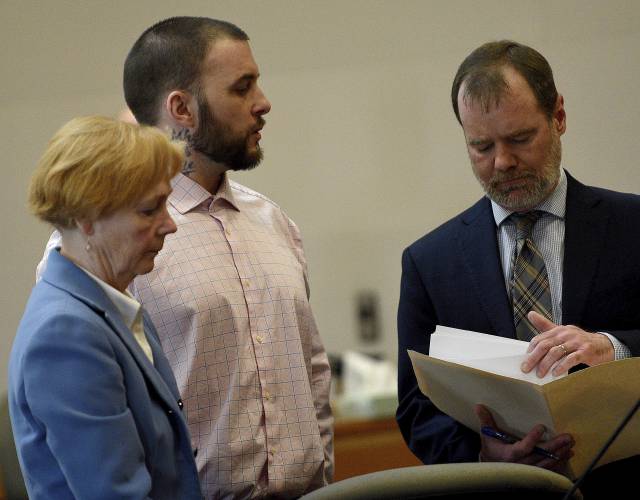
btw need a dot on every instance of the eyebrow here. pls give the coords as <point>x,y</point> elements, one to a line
<point>478,142</point>
<point>525,131</point>
<point>245,77</point>
<point>481,141</point>
<point>157,197</point>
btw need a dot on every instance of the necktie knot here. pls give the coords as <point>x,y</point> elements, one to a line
<point>524,223</point>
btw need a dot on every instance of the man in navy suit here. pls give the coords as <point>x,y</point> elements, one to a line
<point>459,275</point>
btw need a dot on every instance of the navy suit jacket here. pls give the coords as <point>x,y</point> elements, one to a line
<point>92,417</point>
<point>453,277</point>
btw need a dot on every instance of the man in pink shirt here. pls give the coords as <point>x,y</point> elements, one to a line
<point>229,295</point>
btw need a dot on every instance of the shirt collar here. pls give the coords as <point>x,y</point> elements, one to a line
<point>188,194</point>
<point>554,204</point>
<point>127,306</point>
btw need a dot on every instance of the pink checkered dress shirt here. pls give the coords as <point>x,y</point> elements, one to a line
<point>229,298</point>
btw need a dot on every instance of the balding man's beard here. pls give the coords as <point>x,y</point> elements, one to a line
<point>540,183</point>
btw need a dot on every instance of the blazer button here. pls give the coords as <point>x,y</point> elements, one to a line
<point>169,411</point>
<point>180,404</point>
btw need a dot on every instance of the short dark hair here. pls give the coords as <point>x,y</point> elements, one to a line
<point>169,56</point>
<point>481,72</point>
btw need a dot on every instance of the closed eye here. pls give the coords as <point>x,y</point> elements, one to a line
<point>242,89</point>
<point>153,207</point>
<point>149,211</point>
<point>243,85</point>
<point>484,147</point>
<point>521,139</point>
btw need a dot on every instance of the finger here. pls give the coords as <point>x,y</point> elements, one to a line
<point>566,363</point>
<point>554,355</point>
<point>558,443</point>
<point>526,444</point>
<point>541,323</point>
<point>564,454</point>
<point>536,355</point>
<point>560,446</point>
<point>545,340</point>
<point>540,346</point>
<point>484,415</point>
<point>554,465</point>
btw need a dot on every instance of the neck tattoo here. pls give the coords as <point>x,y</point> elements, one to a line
<point>185,136</point>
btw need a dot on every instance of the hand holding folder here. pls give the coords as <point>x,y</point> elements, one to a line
<point>468,368</point>
<point>506,438</point>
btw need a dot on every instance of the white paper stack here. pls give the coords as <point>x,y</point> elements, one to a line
<point>498,355</point>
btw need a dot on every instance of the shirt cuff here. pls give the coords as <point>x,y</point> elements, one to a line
<point>620,350</point>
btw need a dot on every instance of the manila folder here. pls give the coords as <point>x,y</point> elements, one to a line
<point>588,404</point>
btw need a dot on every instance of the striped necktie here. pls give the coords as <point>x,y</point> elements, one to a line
<point>530,282</point>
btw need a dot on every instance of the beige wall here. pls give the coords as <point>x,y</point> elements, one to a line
<point>362,149</point>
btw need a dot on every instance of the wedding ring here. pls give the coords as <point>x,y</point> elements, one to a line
<point>564,350</point>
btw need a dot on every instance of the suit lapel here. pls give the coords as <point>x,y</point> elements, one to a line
<point>478,244</point>
<point>585,233</point>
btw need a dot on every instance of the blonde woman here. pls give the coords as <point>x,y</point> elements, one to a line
<point>94,406</point>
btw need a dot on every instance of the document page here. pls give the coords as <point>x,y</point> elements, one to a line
<point>491,353</point>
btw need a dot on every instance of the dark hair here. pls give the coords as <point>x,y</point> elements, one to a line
<point>481,72</point>
<point>169,56</point>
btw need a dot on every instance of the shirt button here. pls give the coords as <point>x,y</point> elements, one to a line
<point>228,231</point>
<point>267,395</point>
<point>259,339</point>
<point>246,283</point>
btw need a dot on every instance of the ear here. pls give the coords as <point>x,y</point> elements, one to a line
<point>181,107</point>
<point>85,226</point>
<point>559,117</point>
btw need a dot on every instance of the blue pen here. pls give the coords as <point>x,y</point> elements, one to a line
<point>505,438</point>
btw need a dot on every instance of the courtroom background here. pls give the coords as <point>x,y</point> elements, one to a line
<point>361,147</point>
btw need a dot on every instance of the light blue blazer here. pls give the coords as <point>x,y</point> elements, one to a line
<point>91,416</point>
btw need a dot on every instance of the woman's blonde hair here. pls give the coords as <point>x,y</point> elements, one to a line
<point>95,165</point>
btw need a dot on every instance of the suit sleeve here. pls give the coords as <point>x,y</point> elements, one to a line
<point>430,434</point>
<point>75,389</point>
<point>630,338</point>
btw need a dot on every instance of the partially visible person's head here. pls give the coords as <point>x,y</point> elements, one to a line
<point>482,73</point>
<point>95,165</point>
<point>170,56</point>
<point>125,115</point>
<point>512,117</point>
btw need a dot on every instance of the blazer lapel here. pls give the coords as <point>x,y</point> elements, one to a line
<point>478,244</point>
<point>64,274</point>
<point>159,360</point>
<point>586,222</point>
<point>114,319</point>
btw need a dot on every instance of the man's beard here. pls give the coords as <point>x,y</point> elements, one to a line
<point>541,182</point>
<point>215,140</point>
